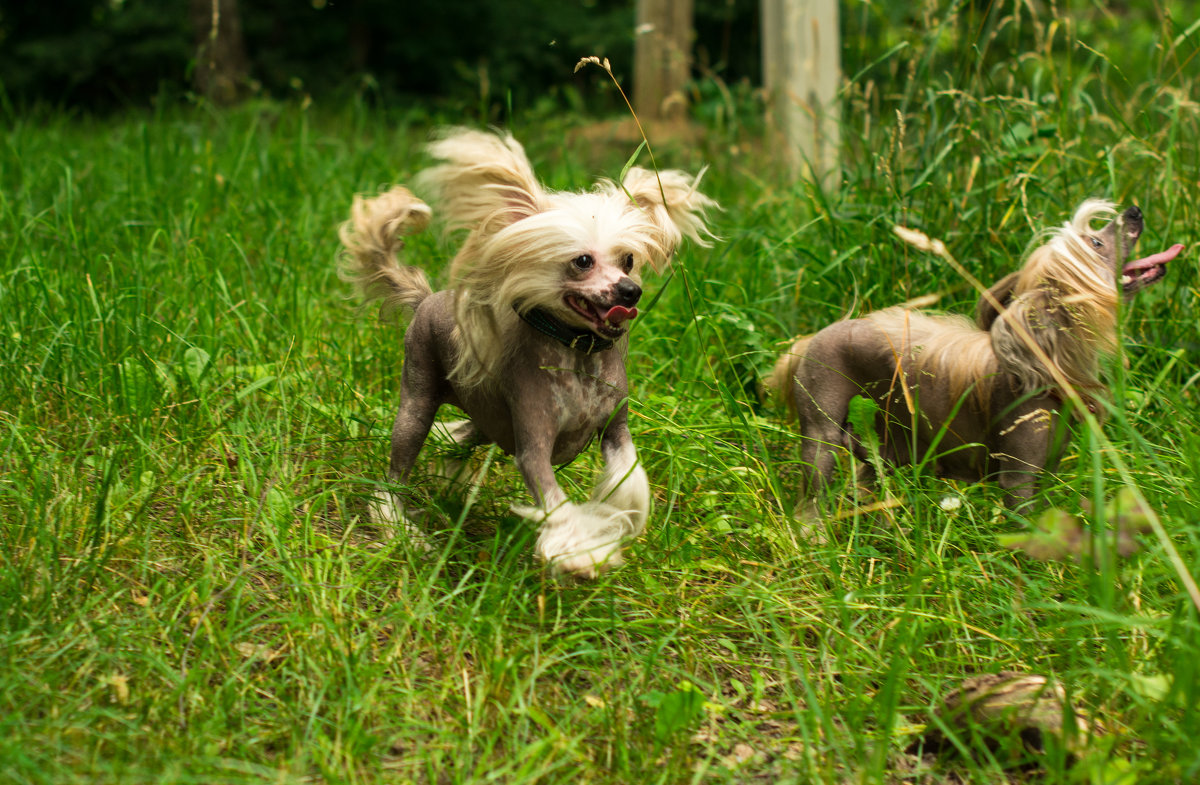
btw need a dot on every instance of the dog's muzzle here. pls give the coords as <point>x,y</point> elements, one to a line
<point>627,293</point>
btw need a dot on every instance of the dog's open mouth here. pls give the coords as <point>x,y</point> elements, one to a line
<point>605,320</point>
<point>1150,270</point>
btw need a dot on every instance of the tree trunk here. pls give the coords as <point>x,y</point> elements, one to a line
<point>662,58</point>
<point>221,64</point>
<point>801,72</point>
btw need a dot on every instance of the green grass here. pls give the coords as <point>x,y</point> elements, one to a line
<point>192,415</point>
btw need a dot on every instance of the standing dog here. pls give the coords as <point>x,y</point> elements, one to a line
<point>530,340</point>
<point>979,401</point>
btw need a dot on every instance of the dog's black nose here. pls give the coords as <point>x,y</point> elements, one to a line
<point>628,292</point>
<point>1134,213</point>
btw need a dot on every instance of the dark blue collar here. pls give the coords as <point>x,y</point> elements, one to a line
<point>575,338</point>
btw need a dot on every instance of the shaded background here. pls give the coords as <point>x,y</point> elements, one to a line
<point>485,55</point>
<point>102,54</point>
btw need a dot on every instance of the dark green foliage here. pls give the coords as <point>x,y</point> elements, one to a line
<point>93,52</point>
<point>100,53</point>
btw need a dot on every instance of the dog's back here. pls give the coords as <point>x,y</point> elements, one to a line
<point>905,361</point>
<point>865,351</point>
<point>945,347</point>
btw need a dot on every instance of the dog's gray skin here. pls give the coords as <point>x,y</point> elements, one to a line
<point>588,397</point>
<point>975,394</point>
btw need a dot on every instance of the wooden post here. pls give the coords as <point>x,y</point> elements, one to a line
<point>802,72</point>
<point>221,62</point>
<point>662,58</point>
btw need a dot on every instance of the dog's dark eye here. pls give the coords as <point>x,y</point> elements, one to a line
<point>585,262</point>
<point>627,262</point>
<point>1096,242</point>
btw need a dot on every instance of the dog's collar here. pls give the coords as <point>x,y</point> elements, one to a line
<point>575,338</point>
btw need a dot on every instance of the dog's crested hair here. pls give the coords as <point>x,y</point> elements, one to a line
<point>673,205</point>
<point>484,183</point>
<point>1065,299</point>
<point>520,234</point>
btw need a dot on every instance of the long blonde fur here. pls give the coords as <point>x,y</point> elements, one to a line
<point>947,347</point>
<point>1066,299</point>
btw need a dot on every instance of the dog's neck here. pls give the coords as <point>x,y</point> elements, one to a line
<point>575,338</point>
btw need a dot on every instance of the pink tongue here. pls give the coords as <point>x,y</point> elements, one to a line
<point>1154,260</point>
<point>618,314</point>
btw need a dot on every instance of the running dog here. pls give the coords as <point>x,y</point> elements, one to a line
<point>530,339</point>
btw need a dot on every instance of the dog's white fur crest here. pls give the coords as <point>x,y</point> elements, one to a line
<point>486,185</point>
<point>1066,299</point>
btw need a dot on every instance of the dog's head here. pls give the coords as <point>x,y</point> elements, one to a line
<point>1062,304</point>
<point>575,256</point>
<point>1109,248</point>
<point>1086,263</point>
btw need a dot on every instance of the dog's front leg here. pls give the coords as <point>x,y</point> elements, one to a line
<point>1018,486</point>
<point>582,539</point>
<point>624,484</point>
<point>1023,449</point>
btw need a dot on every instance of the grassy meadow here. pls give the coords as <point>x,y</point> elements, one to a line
<point>192,415</point>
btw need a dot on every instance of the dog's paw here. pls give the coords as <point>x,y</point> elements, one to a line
<point>624,486</point>
<point>810,526</point>
<point>580,539</point>
<point>388,513</point>
<point>586,565</point>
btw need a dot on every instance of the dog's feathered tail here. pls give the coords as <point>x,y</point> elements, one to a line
<point>783,377</point>
<point>373,238</point>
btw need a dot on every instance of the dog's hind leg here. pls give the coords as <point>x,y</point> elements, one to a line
<point>820,388</point>
<point>456,441</point>
<point>419,402</point>
<point>409,431</point>
<point>822,413</point>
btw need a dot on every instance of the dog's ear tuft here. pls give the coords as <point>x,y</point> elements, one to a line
<point>675,206</point>
<point>1001,293</point>
<point>485,180</point>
